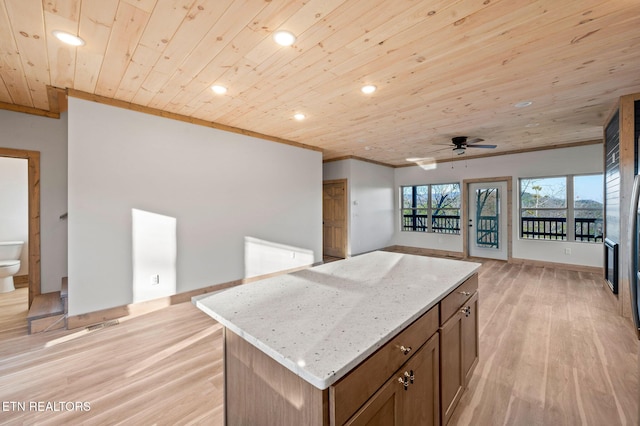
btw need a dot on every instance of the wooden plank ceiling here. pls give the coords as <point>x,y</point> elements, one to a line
<point>443,68</point>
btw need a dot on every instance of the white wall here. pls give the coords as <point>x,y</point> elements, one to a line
<point>220,187</point>
<point>49,137</point>
<point>370,200</point>
<point>14,206</point>
<point>578,160</point>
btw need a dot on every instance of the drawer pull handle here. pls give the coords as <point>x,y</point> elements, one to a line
<point>406,350</point>
<point>465,293</point>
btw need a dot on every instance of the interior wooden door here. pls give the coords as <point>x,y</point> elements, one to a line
<point>334,218</point>
<point>33,178</point>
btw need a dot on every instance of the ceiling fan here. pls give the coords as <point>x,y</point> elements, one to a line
<point>460,144</point>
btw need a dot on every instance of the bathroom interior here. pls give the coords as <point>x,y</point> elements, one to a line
<point>14,227</point>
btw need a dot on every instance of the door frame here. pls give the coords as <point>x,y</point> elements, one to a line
<point>465,211</point>
<point>33,172</point>
<point>345,241</point>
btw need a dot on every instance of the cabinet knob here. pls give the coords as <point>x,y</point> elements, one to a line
<point>404,381</point>
<point>406,350</point>
<point>465,293</point>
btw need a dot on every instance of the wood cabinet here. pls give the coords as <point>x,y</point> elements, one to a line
<point>410,396</point>
<point>458,346</point>
<point>416,378</point>
<point>470,349</point>
<point>375,381</point>
<point>446,361</point>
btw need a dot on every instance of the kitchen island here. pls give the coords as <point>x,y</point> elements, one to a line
<point>318,346</point>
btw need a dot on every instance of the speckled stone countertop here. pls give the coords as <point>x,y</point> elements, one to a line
<point>322,322</point>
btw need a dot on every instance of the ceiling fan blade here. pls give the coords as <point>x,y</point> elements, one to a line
<point>481,146</point>
<point>474,140</point>
<point>447,147</point>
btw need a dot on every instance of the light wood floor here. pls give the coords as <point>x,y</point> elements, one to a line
<point>162,368</point>
<point>552,352</point>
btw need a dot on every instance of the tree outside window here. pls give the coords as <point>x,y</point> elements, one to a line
<point>546,214</point>
<point>431,208</point>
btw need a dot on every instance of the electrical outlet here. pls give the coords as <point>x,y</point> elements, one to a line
<point>155,279</point>
<point>567,251</point>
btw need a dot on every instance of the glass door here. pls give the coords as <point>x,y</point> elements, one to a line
<point>487,230</point>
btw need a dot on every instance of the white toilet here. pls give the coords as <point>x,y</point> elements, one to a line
<point>9,263</point>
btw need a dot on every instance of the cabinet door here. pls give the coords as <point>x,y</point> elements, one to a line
<point>451,373</point>
<point>421,402</point>
<point>470,338</point>
<point>384,408</point>
<point>418,404</point>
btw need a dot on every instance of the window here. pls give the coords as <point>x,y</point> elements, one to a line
<point>588,207</point>
<point>546,213</point>
<point>431,208</point>
<point>543,208</point>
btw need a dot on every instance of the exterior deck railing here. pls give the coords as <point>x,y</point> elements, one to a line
<point>444,224</point>
<point>540,228</point>
<point>555,228</point>
<point>487,231</point>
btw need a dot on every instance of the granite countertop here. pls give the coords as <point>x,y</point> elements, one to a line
<point>322,322</point>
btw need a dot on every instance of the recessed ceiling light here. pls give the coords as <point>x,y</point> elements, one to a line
<point>523,104</point>
<point>220,90</point>
<point>299,116</point>
<point>532,125</point>
<point>368,89</point>
<point>284,38</point>
<point>68,38</point>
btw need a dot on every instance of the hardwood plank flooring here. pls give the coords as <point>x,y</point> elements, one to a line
<point>553,351</point>
<point>160,368</point>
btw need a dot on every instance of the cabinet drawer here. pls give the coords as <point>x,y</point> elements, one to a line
<point>457,297</point>
<point>353,390</point>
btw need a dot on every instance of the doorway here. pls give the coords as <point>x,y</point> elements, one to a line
<point>334,218</point>
<point>33,178</point>
<point>488,219</point>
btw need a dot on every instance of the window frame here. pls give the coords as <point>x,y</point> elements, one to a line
<point>569,209</point>
<point>429,228</point>
<point>574,208</point>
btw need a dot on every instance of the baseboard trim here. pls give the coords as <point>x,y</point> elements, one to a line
<point>568,266</point>
<point>141,308</point>
<point>21,281</point>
